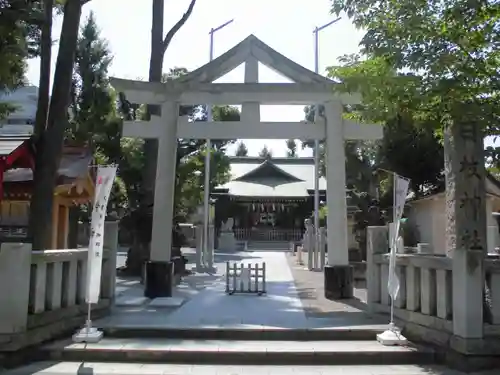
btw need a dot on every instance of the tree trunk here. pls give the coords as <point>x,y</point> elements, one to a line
<point>45,58</point>
<point>139,252</point>
<point>50,143</point>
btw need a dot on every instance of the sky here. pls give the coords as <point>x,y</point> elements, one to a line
<point>287,26</point>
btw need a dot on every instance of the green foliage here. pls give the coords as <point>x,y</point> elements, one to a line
<point>93,103</point>
<point>291,145</point>
<point>451,46</point>
<point>19,33</point>
<point>410,146</point>
<point>242,149</point>
<point>265,152</point>
<point>94,115</point>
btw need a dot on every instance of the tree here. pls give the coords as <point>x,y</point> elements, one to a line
<point>50,142</point>
<point>159,45</point>
<point>453,49</point>
<point>19,34</point>
<point>452,54</point>
<point>93,103</point>
<point>45,69</point>
<point>409,146</point>
<point>265,153</point>
<point>291,145</point>
<point>242,149</point>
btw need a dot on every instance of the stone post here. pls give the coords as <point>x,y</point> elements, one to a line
<point>322,244</point>
<point>466,225</point>
<point>199,248</point>
<point>159,269</point>
<point>309,243</point>
<point>377,243</point>
<point>210,268</point>
<point>110,244</point>
<point>338,273</point>
<point>15,269</point>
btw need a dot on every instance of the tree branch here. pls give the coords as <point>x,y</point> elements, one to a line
<point>170,35</point>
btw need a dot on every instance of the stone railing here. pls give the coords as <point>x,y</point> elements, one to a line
<point>42,293</point>
<point>492,273</point>
<point>424,306</point>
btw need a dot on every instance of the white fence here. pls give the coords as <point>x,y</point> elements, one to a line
<point>246,279</point>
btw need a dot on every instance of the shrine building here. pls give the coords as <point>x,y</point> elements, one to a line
<point>74,186</point>
<point>269,198</point>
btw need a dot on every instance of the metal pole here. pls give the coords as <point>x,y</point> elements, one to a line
<point>316,150</point>
<point>207,258</point>
<point>316,143</point>
<point>206,193</point>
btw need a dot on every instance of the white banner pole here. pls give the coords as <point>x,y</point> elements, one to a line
<point>400,187</point>
<point>104,183</point>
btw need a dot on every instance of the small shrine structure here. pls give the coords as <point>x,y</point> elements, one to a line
<point>75,186</point>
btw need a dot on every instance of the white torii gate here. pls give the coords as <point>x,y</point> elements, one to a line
<point>197,87</point>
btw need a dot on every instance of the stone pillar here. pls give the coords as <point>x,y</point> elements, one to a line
<point>338,272</point>
<point>110,244</point>
<point>199,248</point>
<point>159,270</point>
<point>308,243</point>
<point>322,244</point>
<point>15,269</point>
<point>250,112</point>
<point>377,243</point>
<point>466,225</point>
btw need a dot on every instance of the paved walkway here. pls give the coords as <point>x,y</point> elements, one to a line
<point>281,307</point>
<point>69,368</point>
<point>310,288</point>
<point>294,300</point>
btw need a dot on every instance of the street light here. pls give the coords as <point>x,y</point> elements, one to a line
<point>206,209</point>
<point>316,142</point>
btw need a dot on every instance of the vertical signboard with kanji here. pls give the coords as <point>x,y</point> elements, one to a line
<point>104,183</point>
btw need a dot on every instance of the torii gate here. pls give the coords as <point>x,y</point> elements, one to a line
<point>197,87</point>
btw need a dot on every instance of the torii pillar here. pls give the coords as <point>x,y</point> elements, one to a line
<point>160,268</point>
<point>339,283</point>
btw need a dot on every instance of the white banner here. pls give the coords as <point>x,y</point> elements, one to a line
<point>401,185</point>
<point>104,183</point>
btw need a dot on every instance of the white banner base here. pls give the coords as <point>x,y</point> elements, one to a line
<point>392,337</point>
<point>89,335</point>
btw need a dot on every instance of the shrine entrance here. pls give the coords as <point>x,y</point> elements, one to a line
<point>197,87</point>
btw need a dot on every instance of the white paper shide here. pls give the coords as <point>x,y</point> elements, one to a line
<point>104,183</point>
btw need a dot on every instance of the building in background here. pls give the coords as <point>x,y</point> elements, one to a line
<point>21,121</point>
<point>269,198</point>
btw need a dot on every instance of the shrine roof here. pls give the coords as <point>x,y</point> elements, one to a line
<point>275,177</point>
<point>74,164</point>
<point>10,143</point>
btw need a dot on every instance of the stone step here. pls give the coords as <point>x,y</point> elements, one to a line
<point>110,368</point>
<point>356,333</point>
<point>237,352</point>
